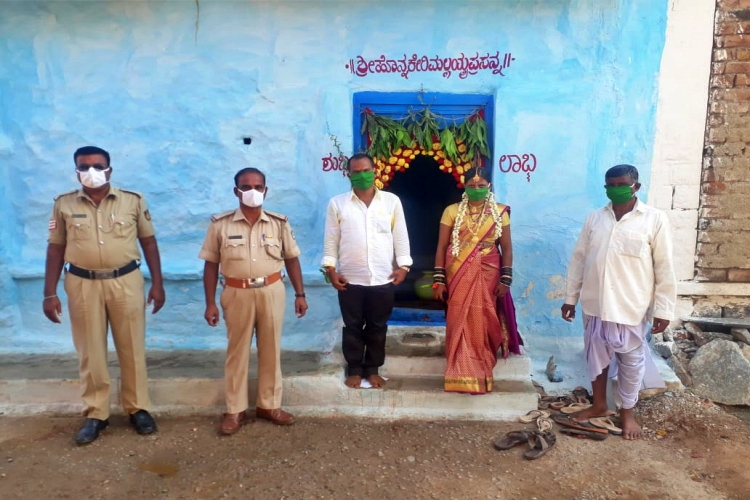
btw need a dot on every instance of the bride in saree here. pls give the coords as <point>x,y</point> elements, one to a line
<point>474,277</point>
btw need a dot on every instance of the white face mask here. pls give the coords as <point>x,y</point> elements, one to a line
<point>93,178</point>
<point>252,198</point>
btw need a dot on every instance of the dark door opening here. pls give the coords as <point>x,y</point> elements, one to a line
<point>424,191</point>
<point>423,188</point>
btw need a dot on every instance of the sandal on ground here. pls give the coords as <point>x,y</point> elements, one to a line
<point>582,395</point>
<point>544,424</point>
<point>581,434</point>
<point>575,408</point>
<point>558,405</point>
<point>511,439</point>
<point>540,443</point>
<point>606,423</point>
<point>566,421</point>
<point>533,415</point>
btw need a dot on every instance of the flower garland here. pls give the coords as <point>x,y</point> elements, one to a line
<point>393,144</point>
<point>462,208</point>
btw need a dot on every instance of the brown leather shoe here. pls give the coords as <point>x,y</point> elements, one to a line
<point>277,416</point>
<point>232,422</point>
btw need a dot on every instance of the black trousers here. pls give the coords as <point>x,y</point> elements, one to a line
<point>365,311</point>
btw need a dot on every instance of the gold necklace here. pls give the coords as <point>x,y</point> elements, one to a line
<point>475,222</point>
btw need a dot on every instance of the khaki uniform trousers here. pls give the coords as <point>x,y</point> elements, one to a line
<point>121,302</point>
<point>245,310</point>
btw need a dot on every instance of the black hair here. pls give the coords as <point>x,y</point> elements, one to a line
<point>482,172</point>
<point>359,156</point>
<point>621,171</point>
<point>249,170</point>
<point>90,150</point>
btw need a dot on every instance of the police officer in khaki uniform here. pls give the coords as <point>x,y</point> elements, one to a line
<point>94,230</point>
<point>249,246</point>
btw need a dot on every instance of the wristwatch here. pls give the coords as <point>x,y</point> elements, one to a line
<point>405,268</point>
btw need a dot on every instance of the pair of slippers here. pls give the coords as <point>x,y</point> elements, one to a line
<point>540,442</point>
<point>540,417</point>
<point>596,425</point>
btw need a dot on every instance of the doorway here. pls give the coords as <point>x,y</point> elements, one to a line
<point>425,191</point>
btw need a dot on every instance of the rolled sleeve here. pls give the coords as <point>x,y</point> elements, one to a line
<point>145,227</point>
<point>211,250</point>
<point>57,229</point>
<point>288,242</point>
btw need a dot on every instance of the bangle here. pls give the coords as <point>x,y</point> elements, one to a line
<point>300,295</point>
<point>50,297</point>
<point>506,281</point>
<point>436,284</point>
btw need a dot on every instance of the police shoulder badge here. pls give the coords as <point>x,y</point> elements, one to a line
<point>147,215</point>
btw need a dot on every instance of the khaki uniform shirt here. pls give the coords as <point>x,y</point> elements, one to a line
<point>245,251</point>
<point>104,237</point>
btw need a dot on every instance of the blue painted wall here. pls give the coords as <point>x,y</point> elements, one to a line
<point>171,88</point>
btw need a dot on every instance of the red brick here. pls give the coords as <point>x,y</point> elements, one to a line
<point>707,212</point>
<point>729,108</point>
<point>729,41</point>
<point>738,275</point>
<point>722,81</point>
<point>717,135</point>
<point>735,94</point>
<point>727,4</point>
<point>715,120</point>
<point>741,80</point>
<point>715,275</point>
<point>730,149</point>
<point>736,67</point>
<point>709,175</point>
<point>714,187</point>
<point>731,26</point>
<point>707,248</point>
<point>740,54</point>
<point>723,55</point>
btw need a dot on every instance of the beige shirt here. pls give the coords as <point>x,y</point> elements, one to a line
<point>104,237</point>
<point>249,251</point>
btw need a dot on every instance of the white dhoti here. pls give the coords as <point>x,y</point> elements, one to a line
<point>624,349</point>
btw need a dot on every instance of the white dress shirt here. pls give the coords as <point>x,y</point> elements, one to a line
<point>622,271</point>
<point>361,241</point>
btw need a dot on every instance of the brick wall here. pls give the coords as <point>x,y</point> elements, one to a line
<point>723,251</point>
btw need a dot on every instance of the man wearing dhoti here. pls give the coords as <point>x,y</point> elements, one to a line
<point>622,272</point>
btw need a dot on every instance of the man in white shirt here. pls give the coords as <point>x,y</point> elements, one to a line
<point>365,234</point>
<point>622,272</point>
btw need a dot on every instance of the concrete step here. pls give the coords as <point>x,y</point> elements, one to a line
<point>321,395</point>
<point>191,382</point>
<point>419,351</point>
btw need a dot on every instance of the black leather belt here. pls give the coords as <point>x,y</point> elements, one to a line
<point>103,275</point>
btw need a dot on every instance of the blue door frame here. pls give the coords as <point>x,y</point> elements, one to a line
<point>449,106</point>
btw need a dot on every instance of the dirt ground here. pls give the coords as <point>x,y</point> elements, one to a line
<point>692,450</point>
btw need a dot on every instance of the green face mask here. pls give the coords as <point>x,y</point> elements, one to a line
<point>476,194</point>
<point>619,194</point>
<point>362,180</point>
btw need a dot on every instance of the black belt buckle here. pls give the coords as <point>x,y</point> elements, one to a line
<point>103,275</point>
